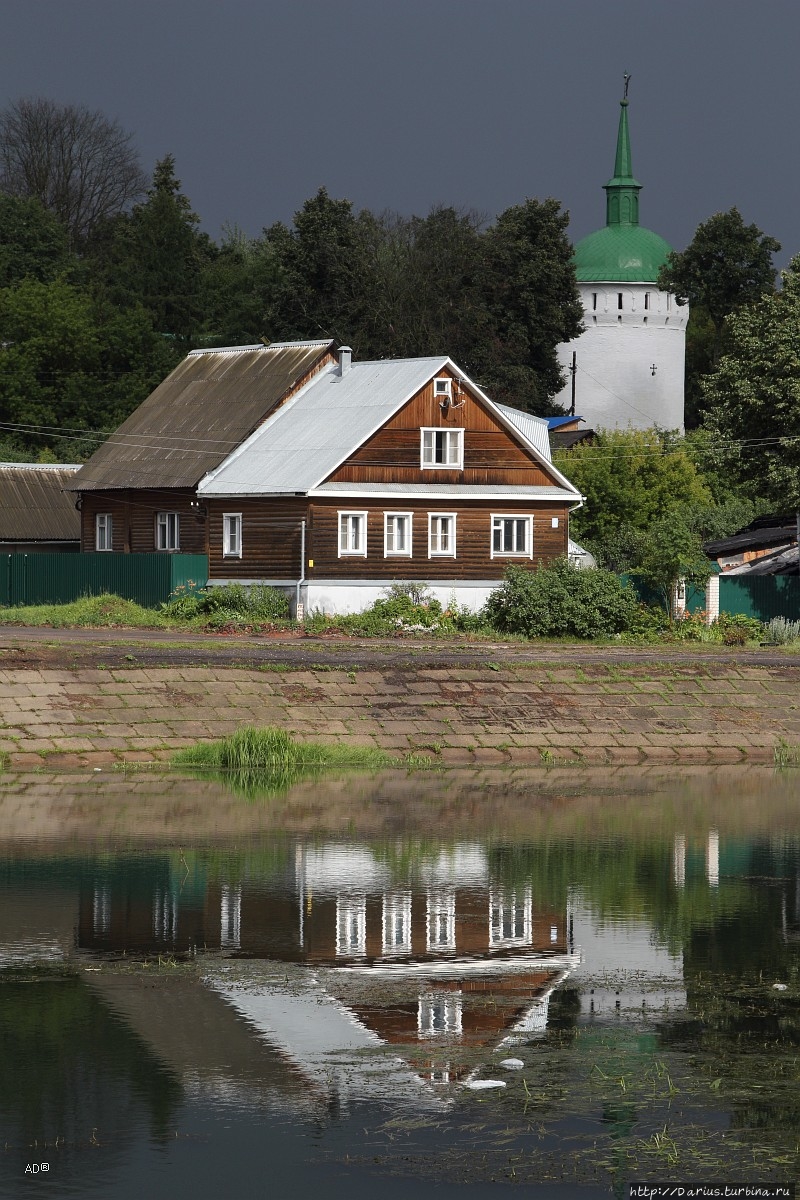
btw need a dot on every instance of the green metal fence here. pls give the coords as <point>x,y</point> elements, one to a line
<point>59,578</point>
<point>762,596</point>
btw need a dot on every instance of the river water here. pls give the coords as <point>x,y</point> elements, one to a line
<point>402,985</point>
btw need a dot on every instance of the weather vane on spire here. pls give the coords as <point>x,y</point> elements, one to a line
<point>627,79</point>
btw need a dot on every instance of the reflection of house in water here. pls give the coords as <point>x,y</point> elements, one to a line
<point>459,956</point>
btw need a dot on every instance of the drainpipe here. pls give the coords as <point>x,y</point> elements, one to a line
<point>298,612</point>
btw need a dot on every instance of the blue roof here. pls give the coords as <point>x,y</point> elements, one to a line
<point>557,422</point>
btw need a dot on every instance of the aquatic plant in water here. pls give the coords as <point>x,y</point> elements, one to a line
<point>263,762</point>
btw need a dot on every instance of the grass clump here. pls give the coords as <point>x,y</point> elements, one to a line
<point>106,611</point>
<point>786,754</point>
<point>265,762</point>
<point>228,604</point>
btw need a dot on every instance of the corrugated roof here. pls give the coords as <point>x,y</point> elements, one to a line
<point>34,506</point>
<point>310,436</point>
<point>202,411</point>
<point>302,443</point>
<point>532,428</point>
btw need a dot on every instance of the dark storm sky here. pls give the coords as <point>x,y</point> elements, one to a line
<point>474,103</point>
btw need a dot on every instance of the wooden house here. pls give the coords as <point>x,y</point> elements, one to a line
<point>292,466</point>
<point>37,512</point>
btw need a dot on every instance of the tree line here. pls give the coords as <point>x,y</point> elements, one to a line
<point>107,279</point>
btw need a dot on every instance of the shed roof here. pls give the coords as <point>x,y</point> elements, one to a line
<point>34,507</point>
<point>201,412</point>
<point>304,441</point>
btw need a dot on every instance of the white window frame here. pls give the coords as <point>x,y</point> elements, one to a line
<point>231,521</point>
<point>397,923</point>
<point>437,552</point>
<point>441,920</point>
<point>103,532</point>
<point>388,517</point>
<point>527,552</point>
<point>351,926</point>
<point>349,515</point>
<point>427,449</point>
<point>440,1014</point>
<point>510,919</point>
<point>443,387</point>
<point>164,521</point>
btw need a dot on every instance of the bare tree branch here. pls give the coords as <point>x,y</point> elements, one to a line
<point>79,164</point>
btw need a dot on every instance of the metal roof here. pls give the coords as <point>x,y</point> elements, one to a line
<point>307,439</point>
<point>304,442</point>
<point>33,504</point>
<point>201,412</point>
<point>532,428</point>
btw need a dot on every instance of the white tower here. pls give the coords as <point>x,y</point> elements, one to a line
<point>629,361</point>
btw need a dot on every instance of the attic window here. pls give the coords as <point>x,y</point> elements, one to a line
<point>442,448</point>
<point>443,387</point>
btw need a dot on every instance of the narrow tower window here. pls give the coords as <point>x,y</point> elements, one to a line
<point>619,299</point>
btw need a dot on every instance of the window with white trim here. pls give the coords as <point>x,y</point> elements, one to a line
<point>511,536</point>
<point>230,917</point>
<point>510,918</point>
<point>443,387</point>
<point>397,923</point>
<point>441,920</point>
<point>353,534</point>
<point>168,531</point>
<point>103,531</point>
<point>441,535</point>
<point>439,1014</point>
<point>442,448</point>
<point>231,535</point>
<point>351,925</point>
<point>397,534</point>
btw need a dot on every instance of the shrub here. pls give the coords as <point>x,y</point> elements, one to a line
<point>737,630</point>
<point>562,601</point>
<point>780,632</point>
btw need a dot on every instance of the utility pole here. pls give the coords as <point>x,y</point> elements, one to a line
<point>573,370</point>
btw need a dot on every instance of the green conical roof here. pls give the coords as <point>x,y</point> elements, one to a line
<point>623,252</point>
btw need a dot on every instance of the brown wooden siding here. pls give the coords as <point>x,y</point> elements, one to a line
<point>473,539</point>
<point>134,513</point>
<point>270,539</point>
<point>491,453</point>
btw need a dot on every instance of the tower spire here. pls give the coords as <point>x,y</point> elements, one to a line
<point>622,190</point>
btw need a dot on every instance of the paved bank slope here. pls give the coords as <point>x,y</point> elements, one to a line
<point>487,704</point>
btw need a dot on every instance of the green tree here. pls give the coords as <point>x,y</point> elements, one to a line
<point>671,551</point>
<point>629,478</point>
<point>33,243</point>
<point>155,256</point>
<point>320,288</point>
<point>532,302</point>
<point>726,266</point>
<point>238,290</point>
<point>753,397</point>
<point>69,365</point>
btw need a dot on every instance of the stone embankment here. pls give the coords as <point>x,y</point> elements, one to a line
<point>92,701</point>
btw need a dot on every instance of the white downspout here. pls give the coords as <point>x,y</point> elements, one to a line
<point>298,607</point>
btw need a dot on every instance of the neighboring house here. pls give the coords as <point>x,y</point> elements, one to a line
<point>348,477</point>
<point>767,546</point>
<point>37,513</point>
<point>565,432</point>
